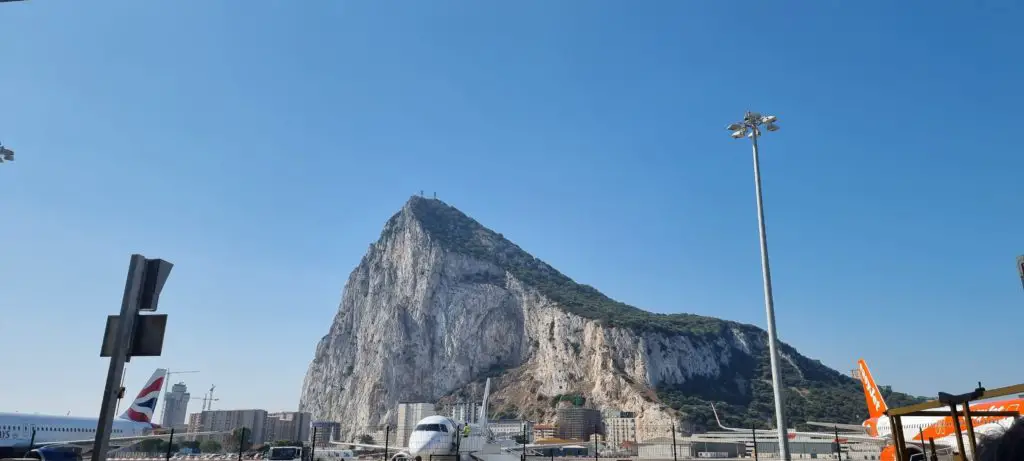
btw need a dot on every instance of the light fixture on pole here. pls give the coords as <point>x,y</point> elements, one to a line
<point>750,127</point>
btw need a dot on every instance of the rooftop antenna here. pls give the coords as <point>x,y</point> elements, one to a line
<point>435,195</point>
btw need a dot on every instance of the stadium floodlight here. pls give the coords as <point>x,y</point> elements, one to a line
<point>750,127</point>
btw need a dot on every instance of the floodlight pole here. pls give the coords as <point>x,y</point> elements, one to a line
<point>751,122</point>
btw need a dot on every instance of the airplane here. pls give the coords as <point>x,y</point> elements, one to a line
<point>53,437</point>
<point>441,436</point>
<point>917,430</point>
<point>6,155</point>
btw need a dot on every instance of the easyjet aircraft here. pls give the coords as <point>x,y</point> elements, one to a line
<point>917,430</point>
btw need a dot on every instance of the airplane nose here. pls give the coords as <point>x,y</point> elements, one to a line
<point>422,446</point>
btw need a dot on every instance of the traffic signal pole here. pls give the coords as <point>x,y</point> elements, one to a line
<point>130,334</point>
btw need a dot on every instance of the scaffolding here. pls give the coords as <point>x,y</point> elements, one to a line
<point>963,413</point>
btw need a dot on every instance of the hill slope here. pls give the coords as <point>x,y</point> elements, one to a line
<point>440,302</point>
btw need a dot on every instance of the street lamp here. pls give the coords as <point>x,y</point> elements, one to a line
<point>750,127</point>
<point>6,155</point>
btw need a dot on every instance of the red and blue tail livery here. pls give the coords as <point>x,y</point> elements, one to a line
<point>142,408</point>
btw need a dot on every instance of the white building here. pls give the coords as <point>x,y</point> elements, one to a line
<point>620,429</point>
<point>408,415</point>
<point>510,428</point>
<point>465,412</point>
<point>175,407</point>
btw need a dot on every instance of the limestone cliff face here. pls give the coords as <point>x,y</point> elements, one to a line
<point>426,314</point>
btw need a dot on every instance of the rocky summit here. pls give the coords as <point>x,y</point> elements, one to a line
<point>440,302</point>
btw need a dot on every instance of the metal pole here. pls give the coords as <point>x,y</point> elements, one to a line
<point>387,435</point>
<point>780,415</point>
<point>753,430</point>
<point>458,441</point>
<point>241,442</point>
<point>839,449</point>
<point>596,429</point>
<point>170,442</point>
<point>674,458</point>
<point>924,450</point>
<point>312,446</point>
<point>956,427</point>
<point>125,329</point>
<point>969,421</point>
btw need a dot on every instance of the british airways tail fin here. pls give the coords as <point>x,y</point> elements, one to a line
<point>873,396</point>
<point>142,408</point>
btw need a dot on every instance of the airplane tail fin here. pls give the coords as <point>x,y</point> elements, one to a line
<point>483,405</point>
<point>873,396</point>
<point>142,408</point>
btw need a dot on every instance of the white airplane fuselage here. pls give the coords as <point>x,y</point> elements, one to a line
<point>16,429</point>
<point>439,435</point>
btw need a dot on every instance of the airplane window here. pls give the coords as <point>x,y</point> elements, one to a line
<point>428,428</point>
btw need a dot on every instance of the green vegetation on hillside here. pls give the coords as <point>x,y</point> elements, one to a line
<point>819,394</point>
<point>455,230</point>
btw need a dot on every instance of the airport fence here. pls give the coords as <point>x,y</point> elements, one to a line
<point>620,439</point>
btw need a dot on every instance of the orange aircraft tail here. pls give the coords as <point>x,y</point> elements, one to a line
<point>876,404</point>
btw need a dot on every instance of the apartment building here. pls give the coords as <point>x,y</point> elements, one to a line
<point>287,425</point>
<point>544,431</point>
<point>620,428</point>
<point>508,429</point>
<point>228,420</point>
<point>578,423</point>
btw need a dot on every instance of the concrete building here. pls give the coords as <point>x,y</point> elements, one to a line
<point>508,429</point>
<point>195,422</point>
<point>228,420</point>
<point>326,431</point>
<point>408,415</point>
<point>619,429</point>
<point>288,425</point>
<point>175,407</point>
<point>544,431</point>
<point>578,423</point>
<point>466,412</point>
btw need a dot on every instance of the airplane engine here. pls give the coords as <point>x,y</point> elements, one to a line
<point>56,453</point>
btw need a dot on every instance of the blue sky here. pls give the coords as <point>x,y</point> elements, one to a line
<point>261,146</point>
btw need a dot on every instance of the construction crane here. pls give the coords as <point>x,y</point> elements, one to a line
<point>208,399</point>
<point>167,382</point>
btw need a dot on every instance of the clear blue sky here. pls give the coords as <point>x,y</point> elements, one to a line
<point>261,146</point>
